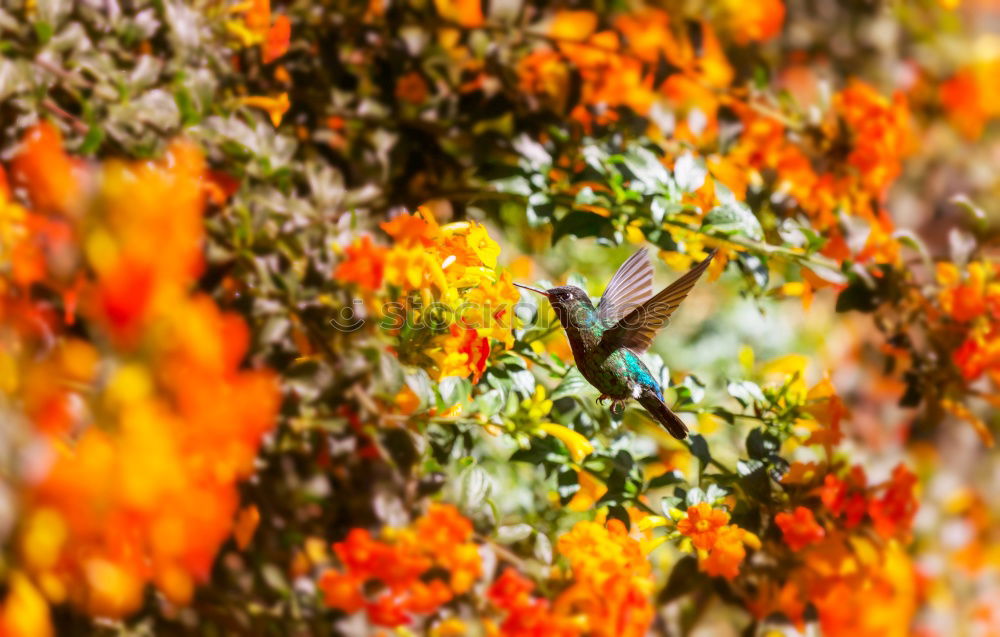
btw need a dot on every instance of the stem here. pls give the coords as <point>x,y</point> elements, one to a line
<point>73,120</point>
<point>502,551</point>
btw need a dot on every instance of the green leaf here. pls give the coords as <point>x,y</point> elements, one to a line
<point>761,444</point>
<point>660,207</point>
<point>420,383</point>
<point>690,172</point>
<point>490,403</point>
<point>733,218</point>
<point>92,141</point>
<point>543,548</point>
<point>665,480</point>
<point>696,389</point>
<point>618,512</point>
<point>474,487</point>
<point>580,223</point>
<point>187,107</point>
<point>43,31</point>
<point>754,479</point>
<point>541,451</point>
<point>685,578</point>
<point>648,169</point>
<point>572,384</point>
<point>510,533</point>
<point>670,502</point>
<point>695,496</point>
<point>714,493</point>
<point>755,268</point>
<point>524,382</point>
<point>858,296</point>
<point>453,390</point>
<point>699,448</point>
<point>976,214</point>
<point>568,484</point>
<point>746,392</point>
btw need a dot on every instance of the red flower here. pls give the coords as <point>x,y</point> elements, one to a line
<point>799,528</point>
<point>276,42</point>
<point>833,493</point>
<point>389,610</point>
<point>341,590</point>
<point>364,264</point>
<point>893,512</point>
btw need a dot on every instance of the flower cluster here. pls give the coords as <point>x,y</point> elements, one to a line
<point>411,570</point>
<point>720,545</point>
<point>617,67</point>
<point>838,564</point>
<point>258,28</point>
<point>609,592</point>
<point>146,427</point>
<point>441,291</point>
<point>971,98</point>
<point>972,299</point>
<point>856,587</point>
<point>874,134</point>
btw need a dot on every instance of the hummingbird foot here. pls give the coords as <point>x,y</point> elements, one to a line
<point>602,398</point>
<point>618,407</point>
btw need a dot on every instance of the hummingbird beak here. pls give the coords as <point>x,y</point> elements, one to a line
<point>528,287</point>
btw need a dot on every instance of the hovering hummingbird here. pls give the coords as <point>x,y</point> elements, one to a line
<point>608,339</point>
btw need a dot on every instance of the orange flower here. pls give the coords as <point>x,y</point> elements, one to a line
<point>466,13</point>
<point>968,299</point>
<point>441,539</point>
<point>755,21</point>
<point>799,528</point>
<point>728,552</point>
<point>573,25</point>
<point>277,39</point>
<point>881,134</point>
<point>148,492</point>
<point>612,579</point>
<point>24,612</point>
<point>702,525</point>
<point>275,107</point>
<point>978,353</point>
<point>526,615</point>
<point>245,525</point>
<point>785,599</point>
<point>544,72</point>
<point>46,171</point>
<point>410,228</point>
<point>363,264</point>
<point>341,591</point>
<point>258,14</point>
<point>971,97</point>
<point>893,512</point>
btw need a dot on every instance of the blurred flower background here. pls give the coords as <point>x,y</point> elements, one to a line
<point>263,368</point>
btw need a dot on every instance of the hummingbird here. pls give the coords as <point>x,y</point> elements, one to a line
<point>607,340</point>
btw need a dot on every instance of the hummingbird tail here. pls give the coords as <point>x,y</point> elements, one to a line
<point>659,410</point>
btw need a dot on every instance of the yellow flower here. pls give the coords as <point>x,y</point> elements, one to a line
<point>538,405</point>
<point>24,612</point>
<point>579,447</point>
<point>485,248</point>
<point>591,490</point>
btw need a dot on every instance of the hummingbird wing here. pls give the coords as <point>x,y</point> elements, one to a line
<point>637,329</point>
<point>630,287</point>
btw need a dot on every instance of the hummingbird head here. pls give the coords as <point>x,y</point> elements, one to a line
<point>572,305</point>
